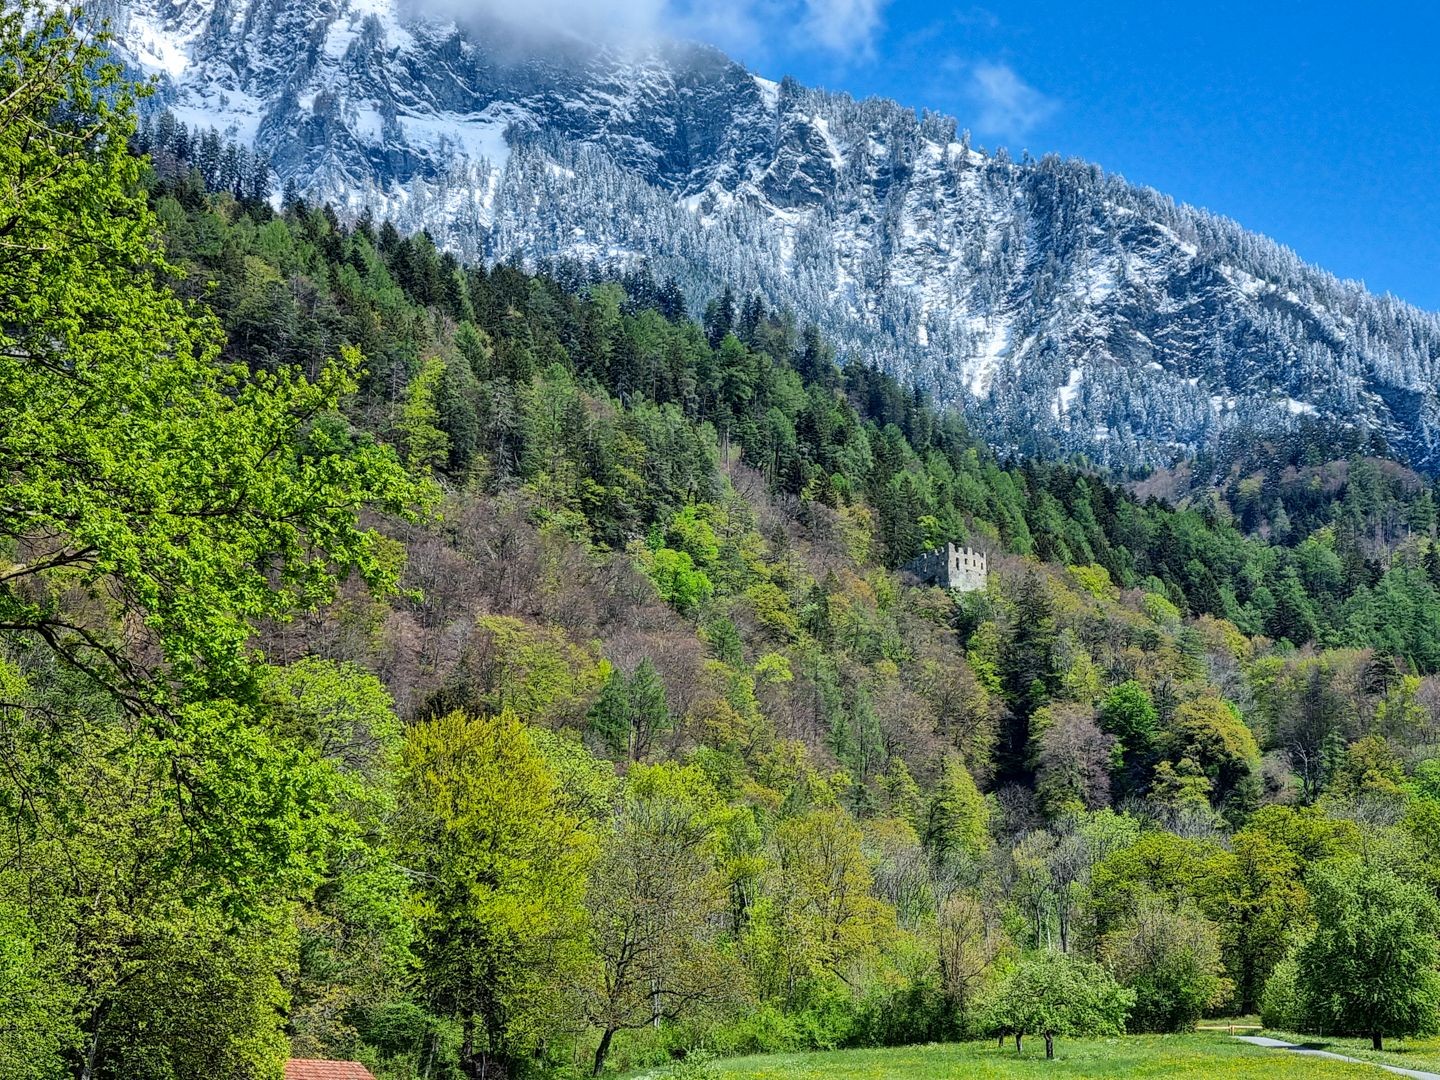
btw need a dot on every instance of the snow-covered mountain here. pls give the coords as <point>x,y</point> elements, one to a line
<point>1063,309</point>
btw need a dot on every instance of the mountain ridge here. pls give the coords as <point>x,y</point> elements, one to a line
<point>1064,310</point>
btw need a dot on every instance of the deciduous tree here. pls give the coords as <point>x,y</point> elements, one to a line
<point>1372,966</point>
<point>1052,994</point>
<point>654,900</point>
<point>499,866</point>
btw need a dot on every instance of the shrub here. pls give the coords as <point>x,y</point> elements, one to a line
<point>695,1065</point>
<point>1171,959</point>
<point>1281,1006</point>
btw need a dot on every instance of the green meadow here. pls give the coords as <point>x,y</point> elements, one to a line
<point>1201,1056</point>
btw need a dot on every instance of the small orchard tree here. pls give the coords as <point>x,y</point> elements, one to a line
<point>1052,993</point>
<point>1371,966</point>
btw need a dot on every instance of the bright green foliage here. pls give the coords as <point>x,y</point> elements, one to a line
<point>500,867</point>
<point>1372,966</point>
<point>1208,731</point>
<point>1094,579</point>
<point>1260,904</point>
<point>1369,767</point>
<point>199,495</point>
<point>825,918</point>
<point>1159,864</point>
<point>1181,787</point>
<point>426,444</point>
<point>1128,713</point>
<point>38,1008</point>
<point>676,578</point>
<point>1054,994</point>
<point>1282,1006</point>
<point>903,793</point>
<point>342,714</point>
<point>354,932</point>
<point>1308,835</point>
<point>690,532</point>
<point>535,671</point>
<point>588,784</point>
<point>116,917</point>
<point>654,897</point>
<point>1159,609</point>
<point>159,502</point>
<point>206,1003</point>
<point>956,817</point>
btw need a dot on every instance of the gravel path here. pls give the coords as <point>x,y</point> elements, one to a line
<point>1277,1044</point>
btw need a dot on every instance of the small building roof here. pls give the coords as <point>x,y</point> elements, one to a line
<point>312,1069</point>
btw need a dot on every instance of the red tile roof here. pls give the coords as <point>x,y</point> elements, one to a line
<point>307,1069</point>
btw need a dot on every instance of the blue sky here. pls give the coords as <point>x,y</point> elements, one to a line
<point>1318,124</point>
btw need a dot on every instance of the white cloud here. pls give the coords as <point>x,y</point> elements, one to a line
<point>613,21</point>
<point>1008,105</point>
<point>846,28</point>
<point>843,28</point>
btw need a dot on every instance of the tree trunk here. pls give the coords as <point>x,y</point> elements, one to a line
<point>1049,1046</point>
<point>1001,1044</point>
<point>92,1051</point>
<point>1018,1037</point>
<point>88,1070</point>
<point>602,1050</point>
<point>494,1066</point>
<point>467,1048</point>
<point>1375,1041</point>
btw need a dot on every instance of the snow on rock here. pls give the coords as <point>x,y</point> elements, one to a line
<point>1065,396</point>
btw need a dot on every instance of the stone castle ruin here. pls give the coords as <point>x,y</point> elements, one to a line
<point>950,567</point>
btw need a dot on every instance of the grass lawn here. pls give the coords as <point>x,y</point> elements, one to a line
<point>1416,1053</point>
<point>1203,1056</point>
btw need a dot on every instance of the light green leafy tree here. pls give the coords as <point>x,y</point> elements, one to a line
<point>654,900</point>
<point>957,818</point>
<point>499,867</point>
<point>1128,713</point>
<point>426,444</point>
<point>677,579</point>
<point>158,502</point>
<point>113,920</point>
<point>1171,960</point>
<point>1053,994</point>
<point>1370,968</point>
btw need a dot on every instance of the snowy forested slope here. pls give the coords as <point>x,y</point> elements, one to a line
<point>1062,308</point>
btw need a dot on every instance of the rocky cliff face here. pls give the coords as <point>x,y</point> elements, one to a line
<point>1065,310</point>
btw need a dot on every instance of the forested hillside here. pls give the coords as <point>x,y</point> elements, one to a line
<point>483,673</point>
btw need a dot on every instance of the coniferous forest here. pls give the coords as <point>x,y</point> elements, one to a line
<point>507,672</point>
